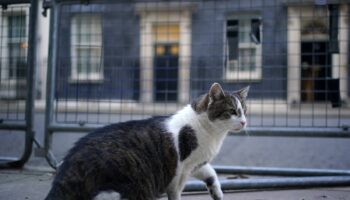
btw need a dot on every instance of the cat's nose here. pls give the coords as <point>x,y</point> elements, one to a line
<point>243,123</point>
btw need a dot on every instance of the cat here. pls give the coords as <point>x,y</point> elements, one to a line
<point>143,159</point>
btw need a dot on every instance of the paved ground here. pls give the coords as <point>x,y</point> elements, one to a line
<point>34,185</point>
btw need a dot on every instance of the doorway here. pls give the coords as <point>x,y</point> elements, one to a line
<point>166,64</point>
<point>315,71</point>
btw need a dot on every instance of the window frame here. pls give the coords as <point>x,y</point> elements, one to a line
<point>238,75</point>
<point>93,45</point>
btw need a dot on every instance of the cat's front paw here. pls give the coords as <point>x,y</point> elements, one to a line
<point>216,193</point>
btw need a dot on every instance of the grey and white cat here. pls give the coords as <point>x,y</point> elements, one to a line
<point>143,159</point>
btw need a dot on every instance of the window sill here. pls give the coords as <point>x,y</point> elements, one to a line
<point>242,78</point>
<point>231,80</point>
<point>85,80</point>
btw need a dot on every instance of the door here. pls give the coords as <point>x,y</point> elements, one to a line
<point>315,71</point>
<point>166,64</point>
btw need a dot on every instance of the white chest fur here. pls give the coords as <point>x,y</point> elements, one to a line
<point>209,135</point>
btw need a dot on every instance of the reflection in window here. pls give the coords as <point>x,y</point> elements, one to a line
<point>243,47</point>
<point>86,47</point>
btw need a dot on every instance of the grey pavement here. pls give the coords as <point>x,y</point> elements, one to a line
<point>34,185</point>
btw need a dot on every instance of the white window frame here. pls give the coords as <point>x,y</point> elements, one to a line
<point>238,75</point>
<point>9,85</point>
<point>91,45</point>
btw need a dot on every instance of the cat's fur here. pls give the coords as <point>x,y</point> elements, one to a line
<point>143,159</point>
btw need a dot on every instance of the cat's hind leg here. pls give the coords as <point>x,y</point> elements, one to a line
<point>176,186</point>
<point>108,195</point>
<point>207,174</point>
<point>174,195</point>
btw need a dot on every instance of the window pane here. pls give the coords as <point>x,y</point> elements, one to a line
<point>86,29</point>
<point>17,46</point>
<point>17,26</point>
<point>87,43</point>
<point>232,39</point>
<point>247,58</point>
<point>83,60</point>
<point>166,32</point>
<point>244,30</point>
<point>88,61</point>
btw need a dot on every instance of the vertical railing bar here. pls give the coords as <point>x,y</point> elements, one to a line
<point>327,65</point>
<point>29,116</point>
<point>21,36</point>
<point>51,72</point>
<point>61,96</point>
<point>339,63</point>
<point>1,41</point>
<point>275,66</point>
<point>89,97</point>
<point>30,93</point>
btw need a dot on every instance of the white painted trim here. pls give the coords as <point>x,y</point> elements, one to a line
<point>343,38</point>
<point>147,20</point>
<point>293,60</point>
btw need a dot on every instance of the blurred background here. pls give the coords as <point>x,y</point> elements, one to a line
<point>69,66</point>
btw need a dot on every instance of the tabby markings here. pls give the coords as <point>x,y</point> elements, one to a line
<point>187,142</point>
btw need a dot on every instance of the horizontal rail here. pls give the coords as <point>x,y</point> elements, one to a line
<point>8,162</point>
<point>2,159</point>
<point>295,132</point>
<point>14,126</point>
<point>288,2</point>
<point>274,171</point>
<point>72,128</point>
<point>273,183</point>
<point>9,2</point>
<point>284,132</point>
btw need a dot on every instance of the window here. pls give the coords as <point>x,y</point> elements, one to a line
<point>243,48</point>
<point>13,51</point>
<point>17,46</point>
<point>86,48</point>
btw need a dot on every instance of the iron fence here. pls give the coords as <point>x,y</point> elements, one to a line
<point>17,71</point>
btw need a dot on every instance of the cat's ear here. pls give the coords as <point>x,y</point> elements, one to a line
<point>216,92</point>
<point>243,93</point>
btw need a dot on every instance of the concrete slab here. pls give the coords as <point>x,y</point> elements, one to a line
<point>34,185</point>
<point>24,185</point>
<point>301,194</point>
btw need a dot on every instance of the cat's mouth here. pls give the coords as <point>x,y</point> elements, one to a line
<point>237,129</point>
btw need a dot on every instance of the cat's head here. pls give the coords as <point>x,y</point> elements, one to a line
<point>227,108</point>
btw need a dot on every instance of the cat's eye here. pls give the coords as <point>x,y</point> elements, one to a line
<point>233,112</point>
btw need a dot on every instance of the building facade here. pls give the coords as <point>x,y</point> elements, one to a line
<point>171,51</point>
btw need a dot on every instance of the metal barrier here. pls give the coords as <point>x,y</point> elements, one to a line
<point>17,65</point>
<point>117,61</point>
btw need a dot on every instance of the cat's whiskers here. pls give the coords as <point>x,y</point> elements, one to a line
<point>246,132</point>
